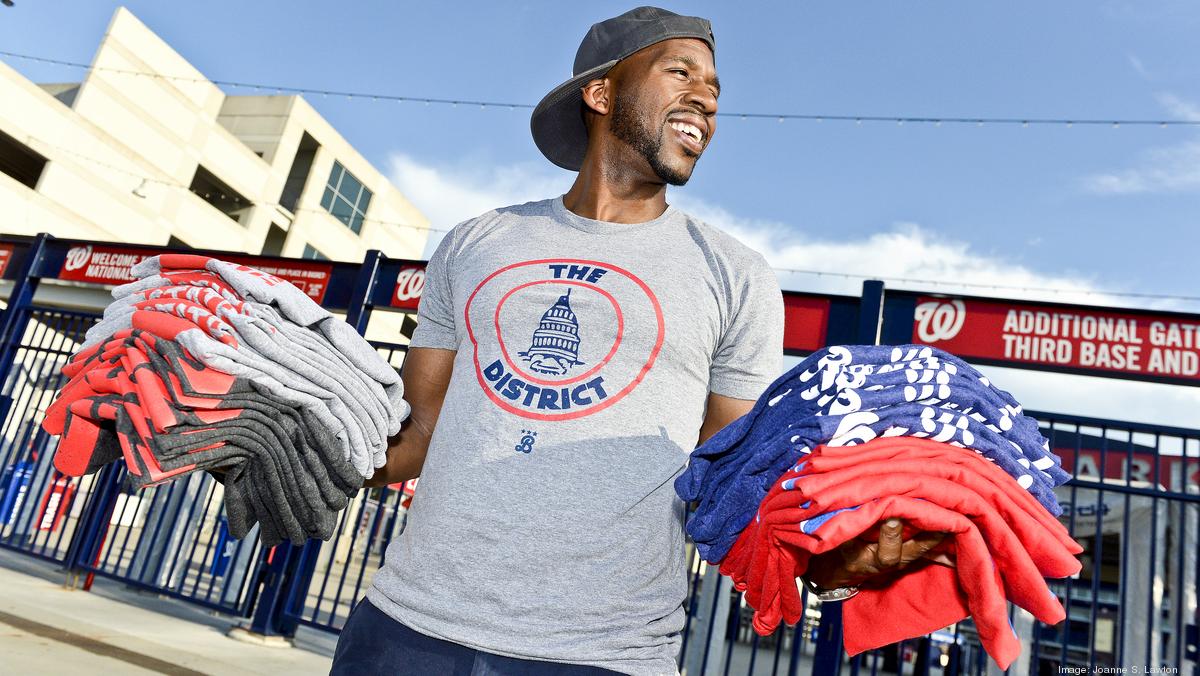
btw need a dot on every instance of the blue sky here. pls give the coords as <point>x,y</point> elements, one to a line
<point>1075,208</point>
<point>1109,208</point>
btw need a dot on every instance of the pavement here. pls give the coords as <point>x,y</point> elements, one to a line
<point>47,628</point>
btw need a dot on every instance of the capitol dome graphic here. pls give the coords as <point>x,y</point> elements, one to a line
<point>555,346</point>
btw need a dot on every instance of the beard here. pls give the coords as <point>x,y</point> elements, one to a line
<point>634,131</point>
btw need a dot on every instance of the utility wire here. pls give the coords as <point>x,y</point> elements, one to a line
<point>797,271</point>
<point>812,117</point>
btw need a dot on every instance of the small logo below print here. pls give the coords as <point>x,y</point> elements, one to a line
<point>555,346</point>
<point>526,443</point>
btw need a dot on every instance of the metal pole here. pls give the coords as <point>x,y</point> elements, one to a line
<point>14,320</point>
<point>828,657</point>
<point>870,312</point>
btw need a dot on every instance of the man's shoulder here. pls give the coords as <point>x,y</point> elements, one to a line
<point>723,244</point>
<point>533,209</point>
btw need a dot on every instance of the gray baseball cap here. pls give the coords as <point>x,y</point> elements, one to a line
<point>557,124</point>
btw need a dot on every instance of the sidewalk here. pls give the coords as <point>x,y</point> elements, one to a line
<point>48,629</point>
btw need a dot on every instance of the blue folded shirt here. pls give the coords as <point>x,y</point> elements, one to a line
<point>845,395</point>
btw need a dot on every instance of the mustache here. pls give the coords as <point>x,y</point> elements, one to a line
<point>695,111</point>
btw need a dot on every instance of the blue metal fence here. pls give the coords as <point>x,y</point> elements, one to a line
<point>172,540</point>
<point>1133,505</point>
<point>40,510</point>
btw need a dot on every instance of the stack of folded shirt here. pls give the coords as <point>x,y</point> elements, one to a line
<point>858,434</point>
<point>207,365</point>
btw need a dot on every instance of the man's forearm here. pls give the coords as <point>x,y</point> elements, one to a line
<point>405,456</point>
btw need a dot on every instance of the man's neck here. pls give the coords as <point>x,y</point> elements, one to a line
<point>604,196</point>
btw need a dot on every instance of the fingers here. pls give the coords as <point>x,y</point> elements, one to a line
<point>891,544</point>
<point>919,546</point>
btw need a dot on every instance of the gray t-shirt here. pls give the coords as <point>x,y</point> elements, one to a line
<point>545,525</point>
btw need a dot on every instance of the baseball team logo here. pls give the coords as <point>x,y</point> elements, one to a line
<point>558,339</point>
<point>409,284</point>
<point>77,257</point>
<point>939,320</point>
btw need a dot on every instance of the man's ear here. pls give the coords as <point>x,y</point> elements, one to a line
<point>597,95</point>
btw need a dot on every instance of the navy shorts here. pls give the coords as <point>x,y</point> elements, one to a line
<point>373,643</point>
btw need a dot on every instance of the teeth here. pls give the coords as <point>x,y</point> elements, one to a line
<point>689,129</point>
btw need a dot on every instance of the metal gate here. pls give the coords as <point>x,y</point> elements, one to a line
<point>171,539</point>
<point>40,509</point>
<point>1134,505</point>
<point>341,569</point>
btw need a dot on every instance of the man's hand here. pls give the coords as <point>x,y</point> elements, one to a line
<point>858,561</point>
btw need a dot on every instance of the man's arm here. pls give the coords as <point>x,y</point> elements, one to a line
<point>426,375</point>
<point>856,561</point>
<point>721,411</point>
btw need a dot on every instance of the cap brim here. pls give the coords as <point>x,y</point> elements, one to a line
<point>557,124</point>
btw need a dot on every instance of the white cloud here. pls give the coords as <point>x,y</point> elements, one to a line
<point>905,251</point>
<point>1180,108</point>
<point>902,251</point>
<point>1175,169</point>
<point>1138,66</point>
<point>1163,169</point>
<point>448,195</point>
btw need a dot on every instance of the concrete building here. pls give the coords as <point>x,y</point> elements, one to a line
<point>145,149</point>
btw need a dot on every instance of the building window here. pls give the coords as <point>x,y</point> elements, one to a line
<point>346,198</point>
<point>20,162</point>
<point>298,174</point>
<point>313,254</point>
<point>216,192</point>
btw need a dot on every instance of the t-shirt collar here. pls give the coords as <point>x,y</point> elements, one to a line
<point>562,213</point>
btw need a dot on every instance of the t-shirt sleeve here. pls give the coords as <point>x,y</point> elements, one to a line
<point>749,355</point>
<point>436,326</point>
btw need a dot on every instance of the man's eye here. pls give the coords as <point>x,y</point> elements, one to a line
<point>680,71</point>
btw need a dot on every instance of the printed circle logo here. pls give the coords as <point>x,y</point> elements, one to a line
<point>77,257</point>
<point>558,339</point>
<point>940,320</point>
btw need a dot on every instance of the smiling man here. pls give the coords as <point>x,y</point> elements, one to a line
<point>569,354</point>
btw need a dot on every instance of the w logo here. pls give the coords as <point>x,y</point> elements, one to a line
<point>409,284</point>
<point>939,320</point>
<point>78,257</point>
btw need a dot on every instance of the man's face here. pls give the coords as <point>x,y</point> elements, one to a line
<point>665,106</point>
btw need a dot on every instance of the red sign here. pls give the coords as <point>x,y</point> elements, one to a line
<point>1103,342</point>
<point>311,277</point>
<point>805,320</point>
<point>111,265</point>
<point>5,257</point>
<point>55,503</point>
<point>409,285</point>
<point>6,251</point>
<point>1174,472</point>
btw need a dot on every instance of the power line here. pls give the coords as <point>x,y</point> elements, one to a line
<point>800,271</point>
<point>982,285</point>
<point>482,104</point>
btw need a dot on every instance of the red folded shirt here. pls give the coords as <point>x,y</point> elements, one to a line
<point>113,393</point>
<point>838,493</point>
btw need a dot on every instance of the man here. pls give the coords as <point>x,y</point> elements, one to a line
<point>569,353</point>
